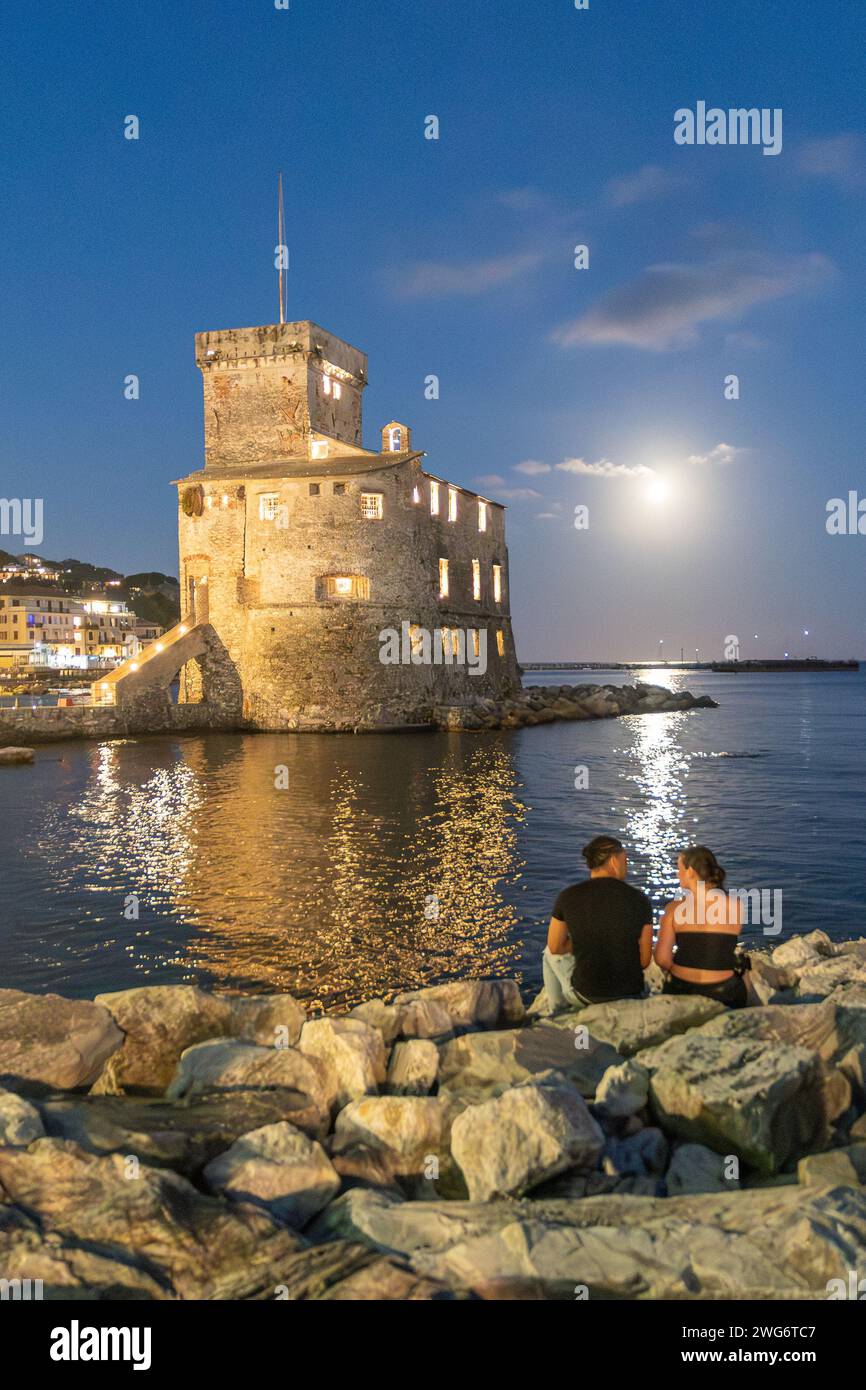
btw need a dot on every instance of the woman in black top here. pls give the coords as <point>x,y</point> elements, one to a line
<point>698,933</point>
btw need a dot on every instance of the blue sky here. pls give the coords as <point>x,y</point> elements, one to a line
<point>456,257</point>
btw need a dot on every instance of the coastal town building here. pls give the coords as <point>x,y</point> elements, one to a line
<point>23,567</point>
<point>45,627</point>
<point>324,585</point>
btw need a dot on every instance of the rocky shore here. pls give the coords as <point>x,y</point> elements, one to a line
<point>167,1143</point>
<point>545,704</point>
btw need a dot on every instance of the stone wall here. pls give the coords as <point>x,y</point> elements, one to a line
<point>48,724</point>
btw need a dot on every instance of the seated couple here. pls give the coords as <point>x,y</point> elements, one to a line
<point>601,934</point>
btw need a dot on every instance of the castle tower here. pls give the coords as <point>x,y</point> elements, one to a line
<point>299,548</point>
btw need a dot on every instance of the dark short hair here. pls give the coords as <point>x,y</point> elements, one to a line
<point>705,865</point>
<point>599,850</point>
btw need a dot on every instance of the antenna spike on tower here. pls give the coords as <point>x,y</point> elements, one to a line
<point>280,222</point>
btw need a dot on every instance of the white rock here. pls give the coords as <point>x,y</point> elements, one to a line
<point>20,1122</point>
<point>354,1050</point>
<point>413,1068</point>
<point>695,1168</point>
<point>508,1145</point>
<point>271,1020</point>
<point>276,1167</point>
<point>412,1131</point>
<point>623,1090</point>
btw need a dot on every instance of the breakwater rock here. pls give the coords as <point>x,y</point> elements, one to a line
<point>166,1143</point>
<point>546,704</point>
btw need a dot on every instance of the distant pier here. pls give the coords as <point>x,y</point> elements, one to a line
<point>730,667</point>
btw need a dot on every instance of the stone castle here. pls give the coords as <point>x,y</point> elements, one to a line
<point>301,551</point>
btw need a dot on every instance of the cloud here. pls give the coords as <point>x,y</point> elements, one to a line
<point>603,468</point>
<point>841,158</point>
<point>662,309</point>
<point>721,454</point>
<point>652,181</point>
<point>518,494</point>
<point>547,516</point>
<point>531,467</point>
<point>491,480</point>
<point>440,279</point>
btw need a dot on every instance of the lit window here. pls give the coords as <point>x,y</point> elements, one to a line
<point>482,515</point>
<point>371,505</point>
<point>225,499</point>
<point>476,580</point>
<point>346,586</point>
<point>443,578</point>
<point>268,503</point>
<point>500,642</point>
<point>319,448</point>
<point>416,639</point>
<point>326,385</point>
<point>434,499</point>
<point>476,646</point>
<point>395,439</point>
<point>452,504</point>
<point>497,583</point>
<point>337,389</point>
<point>416,494</point>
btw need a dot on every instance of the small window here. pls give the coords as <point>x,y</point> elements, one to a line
<point>337,390</point>
<point>434,499</point>
<point>395,439</point>
<point>347,586</point>
<point>452,504</point>
<point>326,385</point>
<point>371,505</point>
<point>416,494</point>
<point>497,583</point>
<point>315,489</point>
<point>500,642</point>
<point>339,489</point>
<point>443,578</point>
<point>476,580</point>
<point>482,515</point>
<point>268,503</point>
<point>476,646</point>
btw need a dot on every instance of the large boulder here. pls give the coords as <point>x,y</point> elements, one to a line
<point>801,951</point>
<point>353,1050</point>
<point>52,1041</point>
<point>837,1166</point>
<point>379,1015</point>
<point>412,1132</point>
<point>481,1065</point>
<point>826,976</point>
<point>226,1065</point>
<point>159,1022</point>
<point>413,1068</point>
<point>193,1246</point>
<point>421,1017</point>
<point>630,1025</point>
<point>507,1145</point>
<point>765,1102</point>
<point>279,1168</point>
<point>11,755</point>
<point>813,1026</point>
<point>772,1243</point>
<point>473,1003</point>
<point>68,1268</point>
<point>20,1122</point>
<point>271,1020</point>
<point>184,1135</point>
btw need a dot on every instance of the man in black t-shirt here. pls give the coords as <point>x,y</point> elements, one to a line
<point>600,938</point>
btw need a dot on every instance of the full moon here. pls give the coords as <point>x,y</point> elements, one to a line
<point>658,489</point>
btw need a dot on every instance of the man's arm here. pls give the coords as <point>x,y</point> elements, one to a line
<point>646,945</point>
<point>558,940</point>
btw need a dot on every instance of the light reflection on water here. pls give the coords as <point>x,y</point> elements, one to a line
<point>321,889</point>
